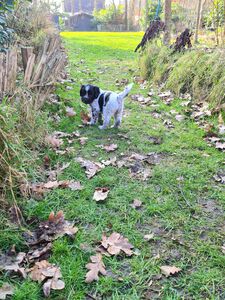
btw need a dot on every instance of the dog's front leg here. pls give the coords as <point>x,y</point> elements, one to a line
<point>94,116</point>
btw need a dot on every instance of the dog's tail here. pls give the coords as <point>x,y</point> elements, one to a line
<point>127,90</point>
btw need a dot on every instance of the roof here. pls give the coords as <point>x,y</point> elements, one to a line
<point>80,13</point>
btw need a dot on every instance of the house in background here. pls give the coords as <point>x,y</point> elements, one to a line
<point>81,21</point>
<point>88,6</point>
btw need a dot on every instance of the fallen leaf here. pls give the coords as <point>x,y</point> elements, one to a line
<point>50,230</point>
<point>96,266</point>
<point>12,263</point>
<point>155,140</point>
<point>149,236</point>
<point>109,148</point>
<point>179,118</point>
<point>85,118</point>
<point>220,177</point>
<point>75,186</point>
<point>220,119</point>
<point>39,252</point>
<point>220,145</point>
<point>52,175</point>
<point>5,290</point>
<point>116,243</point>
<point>83,140</point>
<point>44,270</point>
<point>136,204</point>
<point>70,112</point>
<point>111,161</point>
<point>91,167</point>
<point>101,194</point>
<point>223,248</point>
<point>53,141</point>
<point>168,270</point>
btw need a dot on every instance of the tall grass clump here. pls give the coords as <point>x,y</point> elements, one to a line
<point>23,127</point>
<point>197,71</point>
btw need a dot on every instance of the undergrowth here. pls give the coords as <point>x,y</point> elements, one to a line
<point>23,127</point>
<point>198,71</point>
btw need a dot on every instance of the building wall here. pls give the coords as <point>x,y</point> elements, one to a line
<point>74,6</point>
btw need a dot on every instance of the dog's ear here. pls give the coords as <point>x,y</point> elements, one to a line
<point>96,92</point>
<point>82,90</point>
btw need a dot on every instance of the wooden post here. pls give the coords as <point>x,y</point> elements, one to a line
<point>126,15</point>
<point>26,52</point>
<point>167,34</point>
<point>8,71</point>
<point>198,21</point>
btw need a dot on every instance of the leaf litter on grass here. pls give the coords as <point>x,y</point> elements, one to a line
<point>101,194</point>
<point>6,290</point>
<point>40,243</point>
<point>115,244</point>
<point>91,168</point>
<point>95,268</point>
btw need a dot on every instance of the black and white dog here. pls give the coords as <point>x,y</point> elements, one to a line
<point>104,103</point>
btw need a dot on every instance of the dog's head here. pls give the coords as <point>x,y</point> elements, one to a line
<point>89,93</point>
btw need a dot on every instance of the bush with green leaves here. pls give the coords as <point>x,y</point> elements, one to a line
<point>215,17</point>
<point>5,32</point>
<point>111,15</point>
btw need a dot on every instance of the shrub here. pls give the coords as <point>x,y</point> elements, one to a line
<point>111,15</point>
<point>196,71</point>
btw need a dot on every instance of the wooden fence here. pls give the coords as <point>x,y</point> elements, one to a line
<point>41,69</point>
<point>8,71</point>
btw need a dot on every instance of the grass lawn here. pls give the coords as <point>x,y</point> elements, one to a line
<point>182,204</point>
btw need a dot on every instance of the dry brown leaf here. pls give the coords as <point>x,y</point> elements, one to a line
<point>179,118</point>
<point>39,189</point>
<point>44,270</point>
<point>55,227</point>
<point>52,284</point>
<point>6,290</point>
<point>75,186</point>
<point>91,167</point>
<point>52,175</point>
<point>136,204</point>
<point>220,145</point>
<point>12,263</point>
<point>223,248</point>
<point>101,194</point>
<point>168,270</point>
<point>149,237</point>
<point>53,141</point>
<point>116,243</point>
<point>83,140</point>
<point>111,161</point>
<point>85,118</point>
<point>39,252</point>
<point>70,112</point>
<point>220,119</point>
<point>109,148</point>
<point>96,266</point>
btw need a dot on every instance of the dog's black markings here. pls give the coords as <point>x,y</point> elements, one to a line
<point>103,100</point>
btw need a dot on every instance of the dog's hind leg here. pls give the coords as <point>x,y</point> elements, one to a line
<point>105,122</point>
<point>117,119</point>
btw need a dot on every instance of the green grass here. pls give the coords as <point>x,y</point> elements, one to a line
<point>186,234</point>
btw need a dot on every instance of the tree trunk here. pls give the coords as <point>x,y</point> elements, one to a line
<point>131,14</point>
<point>167,34</point>
<point>198,21</point>
<point>224,22</point>
<point>146,13</point>
<point>95,4</point>
<point>126,15</point>
<point>80,5</point>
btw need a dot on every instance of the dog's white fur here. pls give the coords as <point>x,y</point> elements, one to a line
<point>113,108</point>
